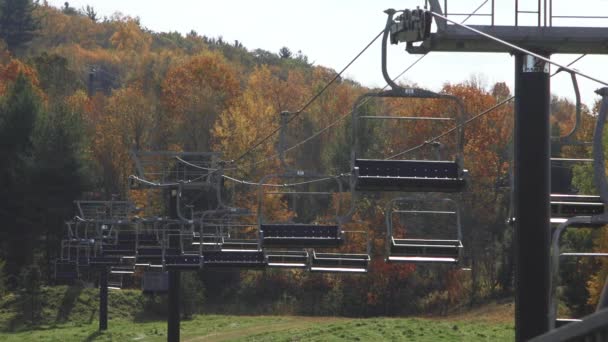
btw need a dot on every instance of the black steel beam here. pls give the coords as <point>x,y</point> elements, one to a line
<point>531,196</point>
<point>103,299</point>
<point>576,40</point>
<point>174,316</point>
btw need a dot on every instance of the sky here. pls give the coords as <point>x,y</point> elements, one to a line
<point>332,32</point>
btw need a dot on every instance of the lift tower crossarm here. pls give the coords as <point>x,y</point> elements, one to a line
<point>548,39</point>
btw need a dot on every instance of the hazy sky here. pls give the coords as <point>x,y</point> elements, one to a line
<point>332,32</point>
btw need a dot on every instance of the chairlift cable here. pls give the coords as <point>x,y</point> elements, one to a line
<point>309,102</point>
<point>194,165</point>
<point>244,182</point>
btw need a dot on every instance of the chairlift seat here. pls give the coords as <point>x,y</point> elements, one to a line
<point>408,175</point>
<point>240,244</point>
<point>287,259</point>
<point>122,269</point>
<point>560,322</point>
<point>208,240</point>
<point>339,262</point>
<point>104,260</point>
<point>115,284</point>
<point>234,259</point>
<point>75,242</point>
<point>183,262</point>
<point>424,251</point>
<point>153,255</point>
<point>297,235</point>
<point>559,220</point>
<point>567,206</point>
<point>118,249</point>
<point>131,236</point>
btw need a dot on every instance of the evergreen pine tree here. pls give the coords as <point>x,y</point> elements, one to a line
<point>17,22</point>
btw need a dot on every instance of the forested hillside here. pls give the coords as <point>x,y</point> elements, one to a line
<point>79,92</point>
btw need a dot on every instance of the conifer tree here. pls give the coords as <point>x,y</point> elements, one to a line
<point>17,22</point>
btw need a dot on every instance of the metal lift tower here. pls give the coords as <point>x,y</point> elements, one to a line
<point>532,130</point>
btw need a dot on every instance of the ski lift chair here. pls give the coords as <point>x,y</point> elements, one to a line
<point>183,262</point>
<point>234,259</point>
<point>101,259</point>
<point>179,253</point>
<point>208,237</point>
<point>342,262</point>
<point>290,234</point>
<point>111,212</point>
<point>80,242</point>
<point>115,281</point>
<point>225,250</point>
<point>278,258</point>
<point>126,266</point>
<point>564,206</point>
<point>122,269</point>
<point>407,250</point>
<point>124,244</point>
<point>405,175</point>
<point>599,173</point>
<point>211,233</point>
<point>565,201</point>
<point>299,235</point>
<point>557,255</point>
<point>149,243</point>
<point>238,233</point>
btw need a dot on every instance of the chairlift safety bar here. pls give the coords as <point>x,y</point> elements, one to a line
<point>424,212</point>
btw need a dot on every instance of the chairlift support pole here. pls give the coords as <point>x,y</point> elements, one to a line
<point>103,299</point>
<point>173,321</point>
<point>532,234</point>
<point>174,314</point>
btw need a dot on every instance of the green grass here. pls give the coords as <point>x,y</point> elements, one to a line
<point>285,328</point>
<point>70,314</point>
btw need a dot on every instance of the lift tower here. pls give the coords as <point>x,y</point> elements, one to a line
<point>532,130</point>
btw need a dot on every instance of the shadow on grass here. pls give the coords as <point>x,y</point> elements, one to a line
<point>67,303</point>
<point>154,309</point>
<point>27,310</point>
<point>93,336</point>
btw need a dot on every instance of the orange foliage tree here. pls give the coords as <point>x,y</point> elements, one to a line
<point>195,92</point>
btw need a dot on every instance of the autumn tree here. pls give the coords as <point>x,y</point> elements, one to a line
<point>195,93</point>
<point>127,124</point>
<point>129,35</point>
<point>56,78</point>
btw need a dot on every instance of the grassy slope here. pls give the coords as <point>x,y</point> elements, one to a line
<point>70,316</point>
<point>266,328</point>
